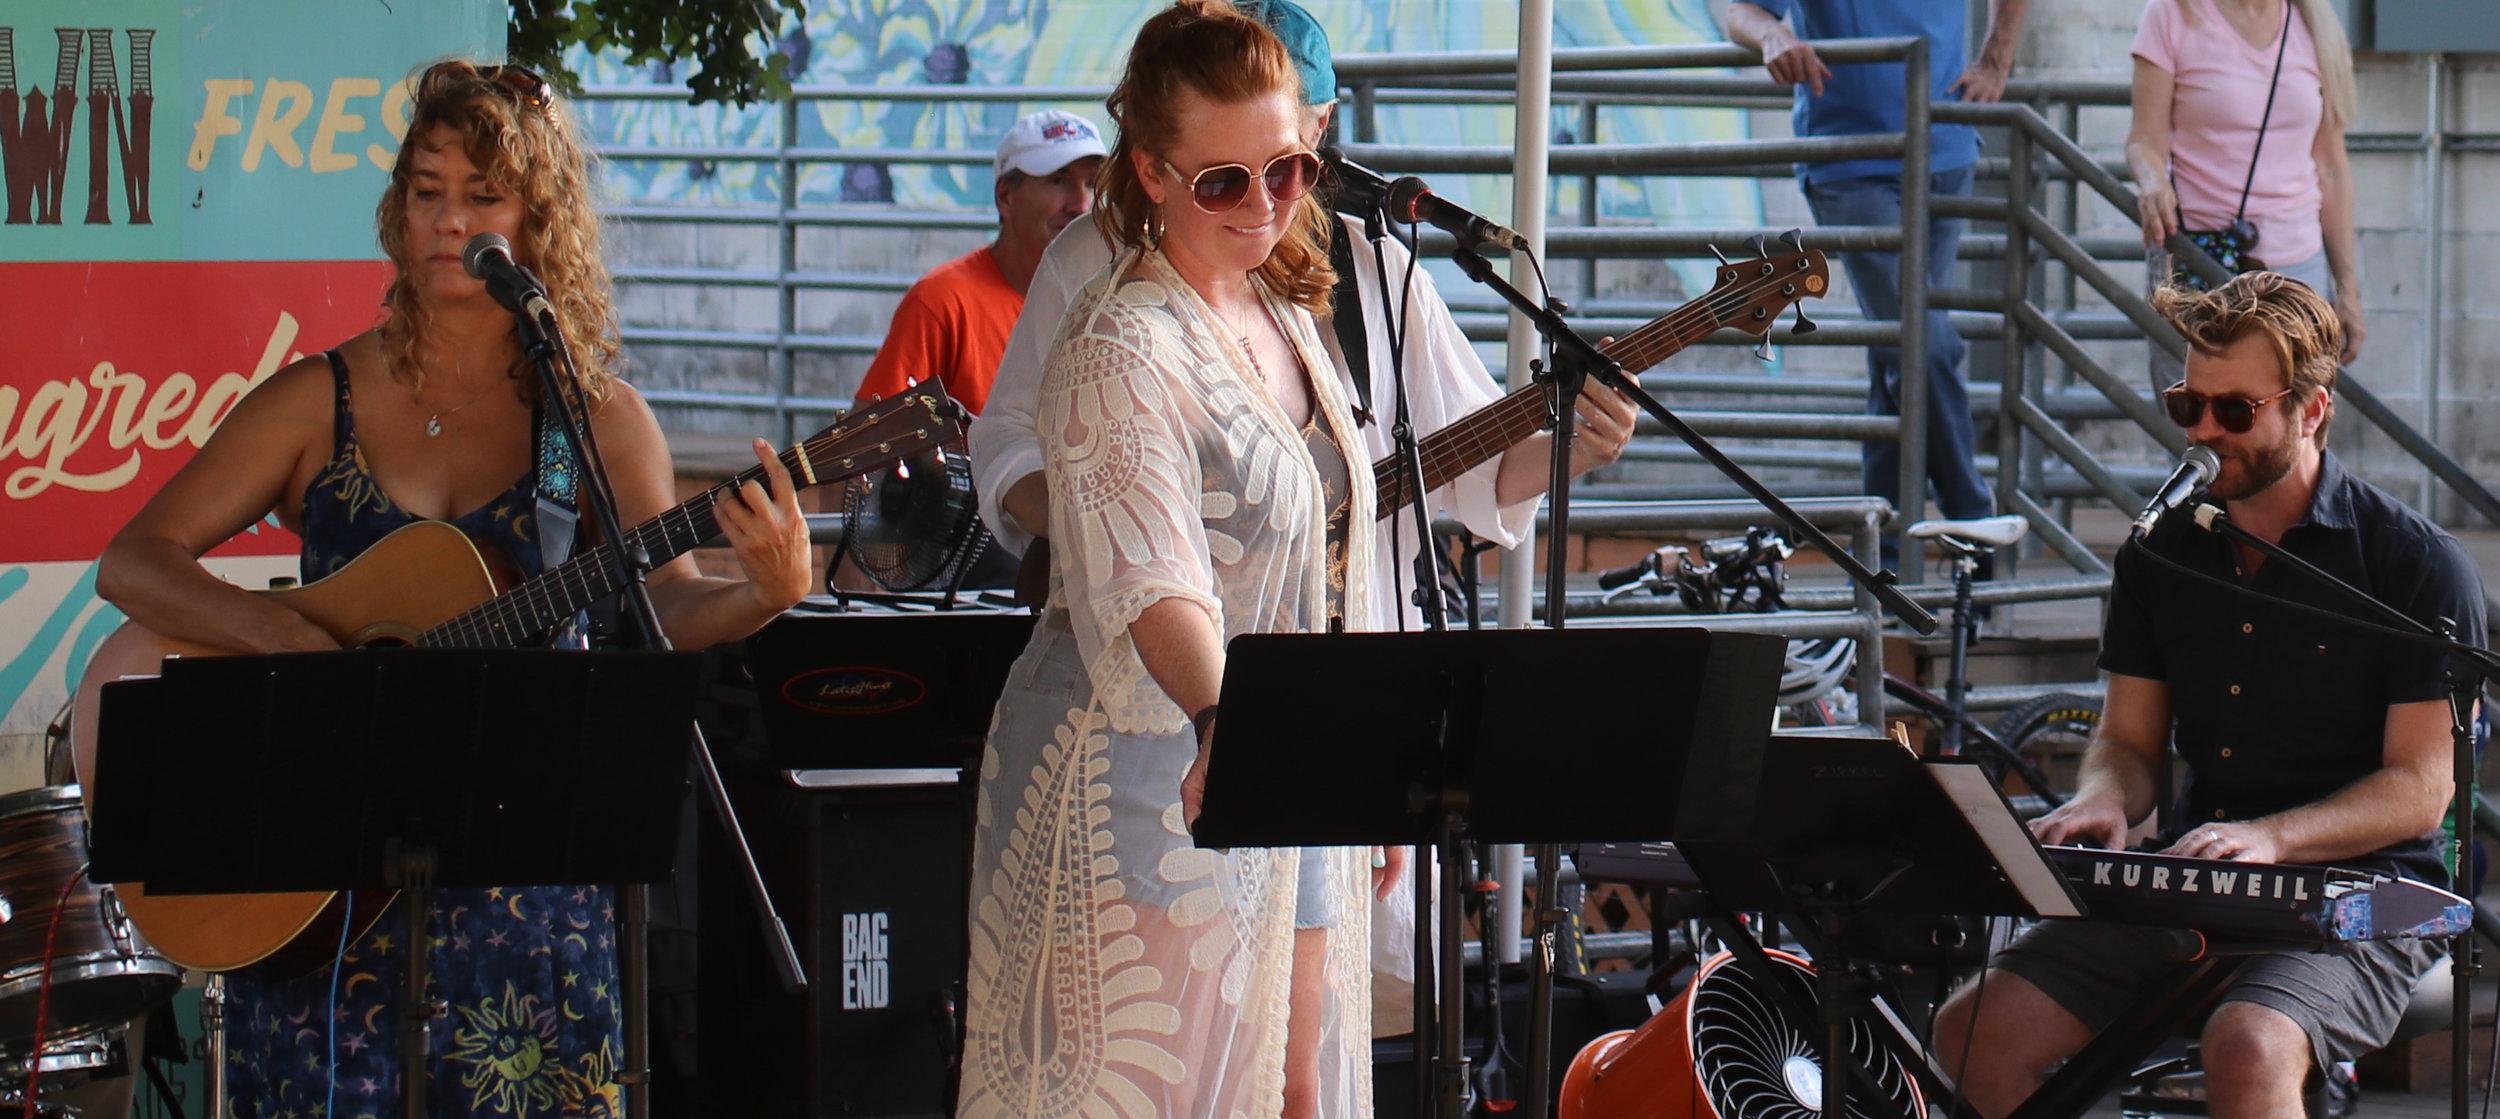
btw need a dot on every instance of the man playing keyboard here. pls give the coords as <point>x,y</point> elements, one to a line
<point>2305,740</point>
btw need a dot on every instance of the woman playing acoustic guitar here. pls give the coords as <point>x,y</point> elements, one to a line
<point>434,415</point>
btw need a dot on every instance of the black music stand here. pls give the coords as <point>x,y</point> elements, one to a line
<point>418,768</point>
<point>1455,733</point>
<point>1842,823</point>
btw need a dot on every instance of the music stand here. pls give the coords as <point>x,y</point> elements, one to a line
<point>419,768</point>
<point>1467,733</point>
<point>1841,823</point>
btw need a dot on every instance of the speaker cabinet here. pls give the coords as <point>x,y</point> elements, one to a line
<point>870,876</point>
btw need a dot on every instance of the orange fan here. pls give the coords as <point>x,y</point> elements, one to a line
<point>1725,1050</point>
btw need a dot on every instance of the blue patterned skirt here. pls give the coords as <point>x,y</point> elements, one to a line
<point>535,1028</point>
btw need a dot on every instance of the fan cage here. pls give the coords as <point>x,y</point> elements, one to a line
<point>1743,1043</point>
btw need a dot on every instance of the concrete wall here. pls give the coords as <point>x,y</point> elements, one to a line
<point>2458,403</point>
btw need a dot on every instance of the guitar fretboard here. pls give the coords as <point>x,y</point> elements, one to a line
<point>540,604</point>
<point>885,432</point>
<point>1483,435</point>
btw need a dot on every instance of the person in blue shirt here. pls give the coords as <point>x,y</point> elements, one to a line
<point>1861,98</point>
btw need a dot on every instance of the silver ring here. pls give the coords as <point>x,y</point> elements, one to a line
<point>2212,835</point>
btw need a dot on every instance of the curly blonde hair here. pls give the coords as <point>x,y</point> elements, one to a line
<point>2300,325</point>
<point>528,146</point>
<point>1210,48</point>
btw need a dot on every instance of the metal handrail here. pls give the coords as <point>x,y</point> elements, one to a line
<point>2037,461</point>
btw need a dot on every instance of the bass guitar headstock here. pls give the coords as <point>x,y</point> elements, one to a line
<point>1750,294</point>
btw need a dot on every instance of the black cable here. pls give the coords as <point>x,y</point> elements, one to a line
<point>2319,611</point>
<point>1393,322</point>
<point>1959,1103</point>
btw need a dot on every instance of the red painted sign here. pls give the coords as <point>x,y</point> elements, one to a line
<point>116,373</point>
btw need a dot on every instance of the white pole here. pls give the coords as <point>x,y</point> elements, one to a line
<point>1533,133</point>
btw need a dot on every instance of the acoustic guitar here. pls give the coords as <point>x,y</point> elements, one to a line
<point>1746,295</point>
<point>428,585</point>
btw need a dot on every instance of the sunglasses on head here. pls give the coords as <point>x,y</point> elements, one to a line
<point>520,84</point>
<point>1221,188</point>
<point>2236,414</point>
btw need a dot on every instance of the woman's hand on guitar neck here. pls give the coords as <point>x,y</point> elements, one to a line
<point>769,534</point>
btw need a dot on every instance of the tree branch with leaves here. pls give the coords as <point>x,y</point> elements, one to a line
<point>720,37</point>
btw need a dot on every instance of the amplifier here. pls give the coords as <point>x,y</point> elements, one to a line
<point>870,871</point>
<point>882,690</point>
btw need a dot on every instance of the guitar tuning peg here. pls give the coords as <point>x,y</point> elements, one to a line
<point>1755,245</point>
<point>1804,325</point>
<point>1714,251</point>
<point>1763,351</point>
<point>1796,240</point>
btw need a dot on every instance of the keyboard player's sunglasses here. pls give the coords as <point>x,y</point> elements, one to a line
<point>2236,414</point>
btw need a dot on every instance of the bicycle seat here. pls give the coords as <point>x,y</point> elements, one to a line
<point>1986,532</point>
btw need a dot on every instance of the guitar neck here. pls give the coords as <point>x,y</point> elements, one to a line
<point>544,602</point>
<point>1482,435</point>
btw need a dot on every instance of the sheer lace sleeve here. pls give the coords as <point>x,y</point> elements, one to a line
<point>1125,491</point>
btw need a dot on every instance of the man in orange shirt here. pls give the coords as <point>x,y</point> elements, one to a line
<point>953,324</point>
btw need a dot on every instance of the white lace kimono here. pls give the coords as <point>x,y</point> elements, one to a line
<point>1118,971</point>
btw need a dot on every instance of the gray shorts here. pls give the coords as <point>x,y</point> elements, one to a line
<point>2347,998</point>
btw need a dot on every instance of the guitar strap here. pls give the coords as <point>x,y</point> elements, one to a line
<point>1353,342</point>
<point>558,511</point>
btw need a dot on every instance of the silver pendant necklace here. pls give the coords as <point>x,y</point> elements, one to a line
<point>434,421</point>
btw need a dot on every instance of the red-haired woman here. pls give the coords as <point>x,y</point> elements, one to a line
<point>1202,464</point>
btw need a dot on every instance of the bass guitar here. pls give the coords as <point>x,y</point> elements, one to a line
<point>428,585</point>
<point>1746,295</point>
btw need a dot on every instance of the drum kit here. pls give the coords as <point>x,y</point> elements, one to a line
<point>74,973</point>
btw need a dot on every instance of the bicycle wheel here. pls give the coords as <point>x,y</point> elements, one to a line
<point>2051,732</point>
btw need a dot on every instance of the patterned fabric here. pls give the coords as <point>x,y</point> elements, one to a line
<point>535,1024</point>
<point>1118,970</point>
<point>1337,498</point>
<point>345,510</point>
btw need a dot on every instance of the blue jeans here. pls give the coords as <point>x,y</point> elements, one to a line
<point>1876,277</point>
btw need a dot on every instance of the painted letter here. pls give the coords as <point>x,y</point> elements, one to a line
<point>275,130</point>
<point>335,120</point>
<point>214,120</point>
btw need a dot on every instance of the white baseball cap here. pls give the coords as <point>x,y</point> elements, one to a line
<point>1043,143</point>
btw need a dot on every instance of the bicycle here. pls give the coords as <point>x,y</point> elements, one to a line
<point>1749,572</point>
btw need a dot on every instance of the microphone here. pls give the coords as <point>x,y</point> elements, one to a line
<point>488,257</point>
<point>1358,187</point>
<point>2197,467</point>
<point>1411,201</point>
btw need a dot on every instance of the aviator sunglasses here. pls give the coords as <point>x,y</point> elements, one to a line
<point>2236,414</point>
<point>1223,187</point>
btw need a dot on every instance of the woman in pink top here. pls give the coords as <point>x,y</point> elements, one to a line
<point>2203,71</point>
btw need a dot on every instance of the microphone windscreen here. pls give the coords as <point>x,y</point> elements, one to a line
<point>2207,463</point>
<point>473,255</point>
<point>1404,194</point>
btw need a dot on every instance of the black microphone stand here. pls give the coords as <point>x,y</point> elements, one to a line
<point>1575,360</point>
<point>560,387</point>
<point>1441,1065</point>
<point>2463,688</point>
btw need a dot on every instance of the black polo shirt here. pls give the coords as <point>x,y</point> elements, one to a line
<point>2272,708</point>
